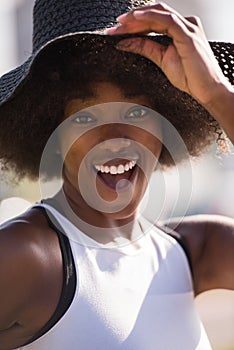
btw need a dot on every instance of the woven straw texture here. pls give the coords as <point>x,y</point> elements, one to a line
<point>54,18</point>
<point>57,19</point>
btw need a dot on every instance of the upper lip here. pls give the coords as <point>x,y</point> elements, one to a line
<point>115,159</point>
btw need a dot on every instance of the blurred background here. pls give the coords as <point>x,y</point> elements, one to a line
<point>203,186</point>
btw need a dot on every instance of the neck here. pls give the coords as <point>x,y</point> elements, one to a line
<point>100,226</point>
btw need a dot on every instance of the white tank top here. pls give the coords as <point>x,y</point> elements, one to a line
<point>127,300</point>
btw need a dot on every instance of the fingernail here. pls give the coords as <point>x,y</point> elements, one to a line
<point>121,17</point>
<point>110,30</point>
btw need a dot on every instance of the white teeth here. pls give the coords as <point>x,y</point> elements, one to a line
<point>120,169</point>
<point>132,164</point>
<point>126,167</point>
<point>113,170</point>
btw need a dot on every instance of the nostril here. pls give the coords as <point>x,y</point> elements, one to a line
<point>115,145</point>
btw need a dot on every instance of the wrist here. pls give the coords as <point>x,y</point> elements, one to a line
<point>221,107</point>
<point>222,98</point>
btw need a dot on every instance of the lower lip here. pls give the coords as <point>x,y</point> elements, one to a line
<point>123,184</point>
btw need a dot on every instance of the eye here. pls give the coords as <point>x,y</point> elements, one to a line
<point>84,118</point>
<point>136,113</point>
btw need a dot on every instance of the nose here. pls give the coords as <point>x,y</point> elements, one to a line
<point>115,145</point>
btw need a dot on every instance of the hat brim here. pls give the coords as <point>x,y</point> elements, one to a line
<point>11,83</point>
<point>32,97</point>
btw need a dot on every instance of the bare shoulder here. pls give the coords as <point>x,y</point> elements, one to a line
<point>210,243</point>
<point>27,248</point>
<point>23,239</point>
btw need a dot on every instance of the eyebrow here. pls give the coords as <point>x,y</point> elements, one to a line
<point>93,96</point>
<point>87,96</point>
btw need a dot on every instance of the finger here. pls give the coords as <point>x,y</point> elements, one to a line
<point>130,28</point>
<point>144,47</point>
<point>129,24</point>
<point>194,20</point>
<point>154,21</point>
<point>159,55</point>
<point>163,23</point>
<point>129,16</point>
<point>191,23</point>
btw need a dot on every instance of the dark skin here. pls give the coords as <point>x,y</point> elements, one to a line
<point>30,253</point>
<point>30,257</point>
<point>188,63</point>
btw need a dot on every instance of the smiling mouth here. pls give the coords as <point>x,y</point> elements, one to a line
<point>117,173</point>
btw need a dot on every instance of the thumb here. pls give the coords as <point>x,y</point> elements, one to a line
<point>144,47</point>
<point>165,57</point>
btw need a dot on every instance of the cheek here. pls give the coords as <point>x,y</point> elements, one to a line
<point>153,139</point>
<point>150,142</point>
<point>73,160</point>
<point>155,146</point>
<point>148,134</point>
<point>78,149</point>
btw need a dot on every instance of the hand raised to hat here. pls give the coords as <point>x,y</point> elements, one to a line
<point>188,62</point>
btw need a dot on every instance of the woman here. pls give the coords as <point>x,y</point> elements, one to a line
<point>84,269</point>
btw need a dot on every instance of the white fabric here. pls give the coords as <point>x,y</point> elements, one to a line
<point>130,301</point>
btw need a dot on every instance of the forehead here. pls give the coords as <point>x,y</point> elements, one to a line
<point>102,93</point>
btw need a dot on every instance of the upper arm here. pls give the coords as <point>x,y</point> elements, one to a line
<point>13,275</point>
<point>210,243</point>
<point>27,286</point>
<point>217,260</point>
<point>18,273</point>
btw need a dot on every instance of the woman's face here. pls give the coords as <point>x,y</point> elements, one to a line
<point>109,153</point>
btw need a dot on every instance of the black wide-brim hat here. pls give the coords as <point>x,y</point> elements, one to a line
<point>56,21</point>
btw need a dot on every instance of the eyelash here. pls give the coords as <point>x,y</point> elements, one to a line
<point>88,119</point>
<point>142,111</point>
<point>132,114</point>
